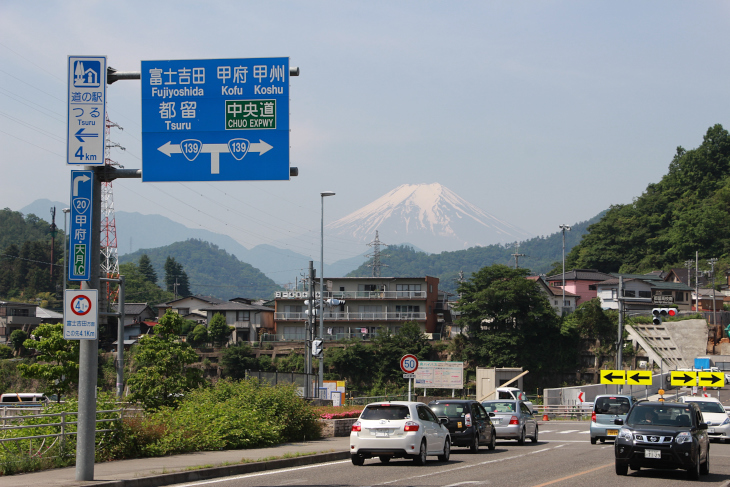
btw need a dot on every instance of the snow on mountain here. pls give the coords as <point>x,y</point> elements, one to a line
<point>430,216</point>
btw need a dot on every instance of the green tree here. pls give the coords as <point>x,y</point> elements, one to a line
<point>17,338</point>
<point>237,359</point>
<point>176,280</point>
<point>218,329</point>
<point>198,336</point>
<point>137,289</point>
<point>146,269</point>
<point>162,372</point>
<point>57,361</point>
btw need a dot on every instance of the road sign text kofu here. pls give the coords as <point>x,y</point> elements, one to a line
<point>215,120</point>
<point>79,250</point>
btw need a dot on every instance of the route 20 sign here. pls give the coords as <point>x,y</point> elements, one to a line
<point>409,363</point>
<point>80,314</point>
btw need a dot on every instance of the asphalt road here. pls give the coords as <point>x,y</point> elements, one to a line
<point>562,457</point>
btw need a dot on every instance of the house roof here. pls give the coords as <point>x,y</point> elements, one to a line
<point>15,303</point>
<point>652,276</point>
<point>650,281</point>
<point>207,299</point>
<point>580,275</point>
<point>551,290</point>
<point>133,308</point>
<point>48,314</point>
<point>235,306</point>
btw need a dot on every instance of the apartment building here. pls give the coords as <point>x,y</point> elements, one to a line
<point>372,305</point>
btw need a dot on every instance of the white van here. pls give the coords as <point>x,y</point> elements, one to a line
<point>22,398</point>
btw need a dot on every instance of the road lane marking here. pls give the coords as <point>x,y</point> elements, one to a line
<point>574,475</point>
<point>567,431</point>
<point>270,472</point>
<point>560,446</point>
<point>538,451</point>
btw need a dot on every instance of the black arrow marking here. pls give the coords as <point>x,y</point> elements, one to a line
<point>712,379</point>
<point>610,376</point>
<point>684,377</point>
<point>637,377</point>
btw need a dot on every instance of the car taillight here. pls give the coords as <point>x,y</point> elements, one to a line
<point>356,426</point>
<point>593,416</point>
<point>514,420</point>
<point>467,420</point>
<point>410,426</point>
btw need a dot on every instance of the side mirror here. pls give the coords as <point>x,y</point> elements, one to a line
<point>618,421</point>
<point>444,420</point>
<point>703,426</point>
<point>491,415</point>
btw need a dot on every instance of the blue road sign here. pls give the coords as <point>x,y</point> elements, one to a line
<point>82,186</point>
<point>215,120</point>
<point>86,110</point>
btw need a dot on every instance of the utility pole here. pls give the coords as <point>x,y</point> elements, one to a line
<point>697,281</point>
<point>620,342</point>
<point>562,306</point>
<point>308,332</point>
<point>712,262</point>
<point>517,256</point>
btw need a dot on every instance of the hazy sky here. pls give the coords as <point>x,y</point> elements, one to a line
<point>540,113</point>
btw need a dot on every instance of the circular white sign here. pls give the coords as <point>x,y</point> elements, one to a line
<point>409,363</point>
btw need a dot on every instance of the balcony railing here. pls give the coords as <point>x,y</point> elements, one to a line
<point>358,295</point>
<point>299,337</point>
<point>354,316</point>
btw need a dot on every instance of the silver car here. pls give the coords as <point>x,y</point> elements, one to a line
<point>606,409</point>
<point>512,419</point>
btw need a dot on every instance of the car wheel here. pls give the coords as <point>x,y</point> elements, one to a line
<point>384,458</point>
<point>705,468</point>
<point>493,444</point>
<point>447,451</point>
<point>621,468</point>
<point>534,438</point>
<point>420,459</point>
<point>521,440</point>
<point>474,447</point>
<point>357,460</point>
<point>694,471</point>
<point>593,440</point>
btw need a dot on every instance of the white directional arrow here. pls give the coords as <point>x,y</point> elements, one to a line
<point>83,178</point>
<point>214,149</point>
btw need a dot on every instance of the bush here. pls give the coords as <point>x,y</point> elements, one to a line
<point>5,352</point>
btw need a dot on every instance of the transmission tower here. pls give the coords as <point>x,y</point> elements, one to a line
<point>109,255</point>
<point>376,255</point>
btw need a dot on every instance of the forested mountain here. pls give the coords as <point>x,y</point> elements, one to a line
<point>541,256</point>
<point>210,270</point>
<point>687,211</point>
<point>25,258</point>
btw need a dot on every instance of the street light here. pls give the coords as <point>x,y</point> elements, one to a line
<point>320,381</point>
<point>562,307</point>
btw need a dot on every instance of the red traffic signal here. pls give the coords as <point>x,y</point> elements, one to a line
<point>661,313</point>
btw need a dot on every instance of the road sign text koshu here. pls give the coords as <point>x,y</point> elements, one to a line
<point>215,120</point>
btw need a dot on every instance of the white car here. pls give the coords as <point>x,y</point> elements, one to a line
<point>399,429</point>
<point>714,414</point>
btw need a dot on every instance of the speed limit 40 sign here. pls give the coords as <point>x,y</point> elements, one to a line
<point>409,363</point>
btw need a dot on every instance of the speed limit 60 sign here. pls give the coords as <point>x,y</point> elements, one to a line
<point>409,363</point>
<point>80,314</point>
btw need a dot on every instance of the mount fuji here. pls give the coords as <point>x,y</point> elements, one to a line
<point>429,216</point>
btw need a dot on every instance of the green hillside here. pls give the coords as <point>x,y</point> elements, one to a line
<point>541,256</point>
<point>687,211</point>
<point>210,270</point>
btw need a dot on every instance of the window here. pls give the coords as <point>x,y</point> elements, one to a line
<point>629,293</point>
<point>407,311</point>
<point>408,290</point>
<point>18,312</point>
<point>183,311</point>
<point>614,293</point>
<point>645,294</point>
<point>243,316</point>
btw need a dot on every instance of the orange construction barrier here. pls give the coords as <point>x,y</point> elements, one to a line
<point>545,417</point>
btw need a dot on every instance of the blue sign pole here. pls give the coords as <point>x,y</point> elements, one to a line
<point>215,120</point>
<point>82,184</point>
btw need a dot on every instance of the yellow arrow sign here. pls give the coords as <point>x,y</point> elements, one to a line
<point>711,379</point>
<point>613,377</point>
<point>638,378</point>
<point>683,378</point>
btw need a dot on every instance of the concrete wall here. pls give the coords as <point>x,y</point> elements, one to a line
<point>690,336</point>
<point>488,379</point>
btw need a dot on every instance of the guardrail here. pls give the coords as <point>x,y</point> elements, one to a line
<point>580,413</point>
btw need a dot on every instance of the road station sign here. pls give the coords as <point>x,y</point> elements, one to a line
<point>613,377</point>
<point>86,110</point>
<point>711,379</point>
<point>409,364</point>
<point>80,314</point>
<point>683,378</point>
<point>638,378</point>
<point>215,120</point>
<point>82,188</point>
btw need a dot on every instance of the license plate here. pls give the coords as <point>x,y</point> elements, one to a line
<point>381,433</point>
<point>496,421</point>
<point>653,454</point>
<point>458,424</point>
<point>710,430</point>
<point>612,432</point>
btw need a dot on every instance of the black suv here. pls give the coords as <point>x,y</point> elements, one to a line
<point>663,435</point>
<point>469,423</point>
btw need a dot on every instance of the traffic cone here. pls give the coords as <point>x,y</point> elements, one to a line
<point>545,417</point>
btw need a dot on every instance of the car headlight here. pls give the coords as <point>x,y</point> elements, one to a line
<point>625,434</point>
<point>727,421</point>
<point>684,437</point>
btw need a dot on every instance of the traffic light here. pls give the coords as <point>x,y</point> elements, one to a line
<point>660,313</point>
<point>316,348</point>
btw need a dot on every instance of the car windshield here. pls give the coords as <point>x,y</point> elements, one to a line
<point>499,406</point>
<point>450,410</point>
<point>660,416</point>
<point>386,411</point>
<point>612,405</point>
<point>709,406</point>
